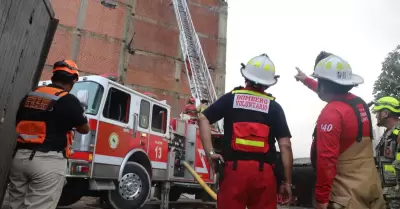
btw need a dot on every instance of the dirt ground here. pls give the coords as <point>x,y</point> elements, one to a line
<point>91,203</point>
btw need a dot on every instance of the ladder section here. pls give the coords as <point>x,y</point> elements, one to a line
<point>200,81</point>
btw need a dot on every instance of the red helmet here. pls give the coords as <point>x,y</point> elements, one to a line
<point>67,66</point>
<point>192,100</point>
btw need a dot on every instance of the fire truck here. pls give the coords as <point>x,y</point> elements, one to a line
<point>132,152</point>
<point>131,148</point>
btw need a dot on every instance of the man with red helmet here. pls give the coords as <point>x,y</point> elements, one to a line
<point>253,122</point>
<point>190,109</point>
<point>45,117</point>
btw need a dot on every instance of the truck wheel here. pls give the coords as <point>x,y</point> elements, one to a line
<point>132,190</point>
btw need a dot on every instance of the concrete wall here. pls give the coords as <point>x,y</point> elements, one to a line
<point>98,38</point>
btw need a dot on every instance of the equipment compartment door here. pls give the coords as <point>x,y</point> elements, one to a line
<point>158,142</point>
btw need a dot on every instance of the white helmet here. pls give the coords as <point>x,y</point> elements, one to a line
<point>337,70</point>
<point>260,70</point>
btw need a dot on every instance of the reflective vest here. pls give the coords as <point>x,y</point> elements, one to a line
<point>250,139</point>
<point>388,152</point>
<point>38,107</point>
<point>353,104</point>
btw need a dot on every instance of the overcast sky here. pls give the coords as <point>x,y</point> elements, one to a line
<point>293,32</point>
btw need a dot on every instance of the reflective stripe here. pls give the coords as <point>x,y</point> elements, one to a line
<point>252,93</point>
<point>249,142</point>
<point>396,132</point>
<point>389,168</point>
<point>28,136</point>
<point>44,95</point>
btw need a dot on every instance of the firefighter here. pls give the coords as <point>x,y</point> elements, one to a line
<point>342,151</point>
<point>387,110</point>
<point>190,110</point>
<point>44,118</point>
<point>253,120</point>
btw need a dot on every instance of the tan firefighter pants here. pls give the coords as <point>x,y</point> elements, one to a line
<point>36,183</point>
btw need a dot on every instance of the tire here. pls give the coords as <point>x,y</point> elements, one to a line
<point>72,192</point>
<point>138,180</point>
<point>313,201</point>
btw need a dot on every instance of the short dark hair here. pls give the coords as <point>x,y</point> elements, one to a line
<point>255,85</point>
<point>322,55</point>
<point>391,113</point>
<point>334,88</point>
<point>62,77</point>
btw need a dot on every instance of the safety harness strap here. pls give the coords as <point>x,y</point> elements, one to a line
<point>353,104</point>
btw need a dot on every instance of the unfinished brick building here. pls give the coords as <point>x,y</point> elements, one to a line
<point>139,41</point>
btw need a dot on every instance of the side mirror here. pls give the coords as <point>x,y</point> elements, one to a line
<point>83,97</point>
<point>135,124</point>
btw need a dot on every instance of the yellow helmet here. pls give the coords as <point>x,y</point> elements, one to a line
<point>387,102</point>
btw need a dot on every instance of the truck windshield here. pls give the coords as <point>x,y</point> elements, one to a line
<point>95,94</point>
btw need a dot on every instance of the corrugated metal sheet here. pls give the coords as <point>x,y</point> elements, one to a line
<point>26,32</point>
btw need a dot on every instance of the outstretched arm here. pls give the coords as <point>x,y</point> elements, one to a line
<point>309,82</point>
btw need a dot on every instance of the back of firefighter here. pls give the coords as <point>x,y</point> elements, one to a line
<point>342,151</point>
<point>387,110</point>
<point>44,118</point>
<point>253,120</point>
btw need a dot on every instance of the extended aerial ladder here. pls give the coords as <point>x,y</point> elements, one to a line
<point>200,81</point>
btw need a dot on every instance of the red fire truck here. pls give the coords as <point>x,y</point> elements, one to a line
<point>131,148</point>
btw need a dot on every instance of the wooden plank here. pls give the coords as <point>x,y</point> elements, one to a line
<point>4,9</point>
<point>26,32</point>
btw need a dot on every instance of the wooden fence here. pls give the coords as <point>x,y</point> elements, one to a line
<point>27,28</point>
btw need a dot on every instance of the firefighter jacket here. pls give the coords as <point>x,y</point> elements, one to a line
<point>250,122</point>
<point>388,156</point>
<point>36,127</point>
<point>342,153</point>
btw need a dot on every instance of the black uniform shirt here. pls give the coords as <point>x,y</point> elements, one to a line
<point>222,109</point>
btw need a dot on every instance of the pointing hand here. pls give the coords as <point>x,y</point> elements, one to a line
<point>300,75</point>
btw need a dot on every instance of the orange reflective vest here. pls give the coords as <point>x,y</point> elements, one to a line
<point>38,106</point>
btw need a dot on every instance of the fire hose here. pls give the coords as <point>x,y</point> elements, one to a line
<point>201,182</point>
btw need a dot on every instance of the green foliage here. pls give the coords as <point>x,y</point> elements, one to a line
<point>389,79</point>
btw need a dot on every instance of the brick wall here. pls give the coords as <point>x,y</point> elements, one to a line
<point>156,66</point>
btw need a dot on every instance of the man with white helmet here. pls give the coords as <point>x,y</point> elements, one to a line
<point>342,150</point>
<point>253,120</point>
